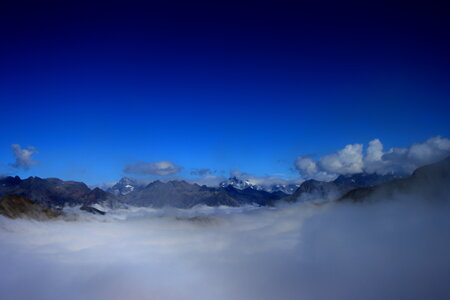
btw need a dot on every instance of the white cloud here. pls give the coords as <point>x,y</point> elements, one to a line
<point>346,161</point>
<point>23,157</point>
<point>406,160</point>
<point>161,168</point>
<point>307,166</point>
<point>351,159</point>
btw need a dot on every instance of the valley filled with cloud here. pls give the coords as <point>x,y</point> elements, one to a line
<point>391,249</point>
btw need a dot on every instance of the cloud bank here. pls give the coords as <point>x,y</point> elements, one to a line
<point>160,168</point>
<point>390,250</point>
<point>352,159</point>
<point>23,157</point>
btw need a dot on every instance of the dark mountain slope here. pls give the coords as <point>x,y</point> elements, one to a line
<point>52,192</point>
<point>431,181</point>
<point>13,206</point>
<point>252,196</point>
<point>314,190</point>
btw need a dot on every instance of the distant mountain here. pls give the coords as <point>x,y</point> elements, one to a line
<point>314,190</point>
<point>253,196</point>
<point>34,193</point>
<point>13,206</point>
<point>56,193</point>
<point>242,184</point>
<point>52,192</point>
<point>125,186</point>
<point>178,194</point>
<point>284,188</point>
<point>431,182</point>
<point>182,194</point>
<point>363,179</point>
<point>237,183</point>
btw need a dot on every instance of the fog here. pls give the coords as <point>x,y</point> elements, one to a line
<point>396,249</point>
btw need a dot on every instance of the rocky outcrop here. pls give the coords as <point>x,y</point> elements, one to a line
<point>13,206</point>
<point>92,210</point>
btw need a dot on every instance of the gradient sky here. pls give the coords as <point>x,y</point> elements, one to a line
<point>96,86</point>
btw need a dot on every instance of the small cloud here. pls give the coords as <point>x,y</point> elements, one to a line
<point>345,161</point>
<point>160,168</point>
<point>202,172</point>
<point>23,157</point>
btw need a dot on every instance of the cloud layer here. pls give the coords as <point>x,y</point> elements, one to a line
<point>386,250</point>
<point>352,159</point>
<point>160,168</point>
<point>23,157</point>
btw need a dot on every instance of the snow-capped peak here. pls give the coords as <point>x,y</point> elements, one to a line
<point>242,184</point>
<point>125,186</point>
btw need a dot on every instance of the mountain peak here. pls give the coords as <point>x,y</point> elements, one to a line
<point>124,186</point>
<point>242,184</point>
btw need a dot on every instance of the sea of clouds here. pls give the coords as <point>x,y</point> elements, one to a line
<point>396,249</point>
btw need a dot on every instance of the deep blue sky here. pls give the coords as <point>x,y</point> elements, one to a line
<point>96,86</point>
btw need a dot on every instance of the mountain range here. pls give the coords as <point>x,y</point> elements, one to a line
<point>242,184</point>
<point>314,190</point>
<point>127,185</point>
<point>182,194</point>
<point>52,192</point>
<point>55,193</point>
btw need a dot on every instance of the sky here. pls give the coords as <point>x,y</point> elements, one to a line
<point>102,90</point>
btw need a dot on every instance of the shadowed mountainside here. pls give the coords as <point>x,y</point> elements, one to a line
<point>13,206</point>
<point>52,192</point>
<point>313,190</point>
<point>431,181</point>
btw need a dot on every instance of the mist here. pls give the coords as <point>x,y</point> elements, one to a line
<point>386,249</point>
